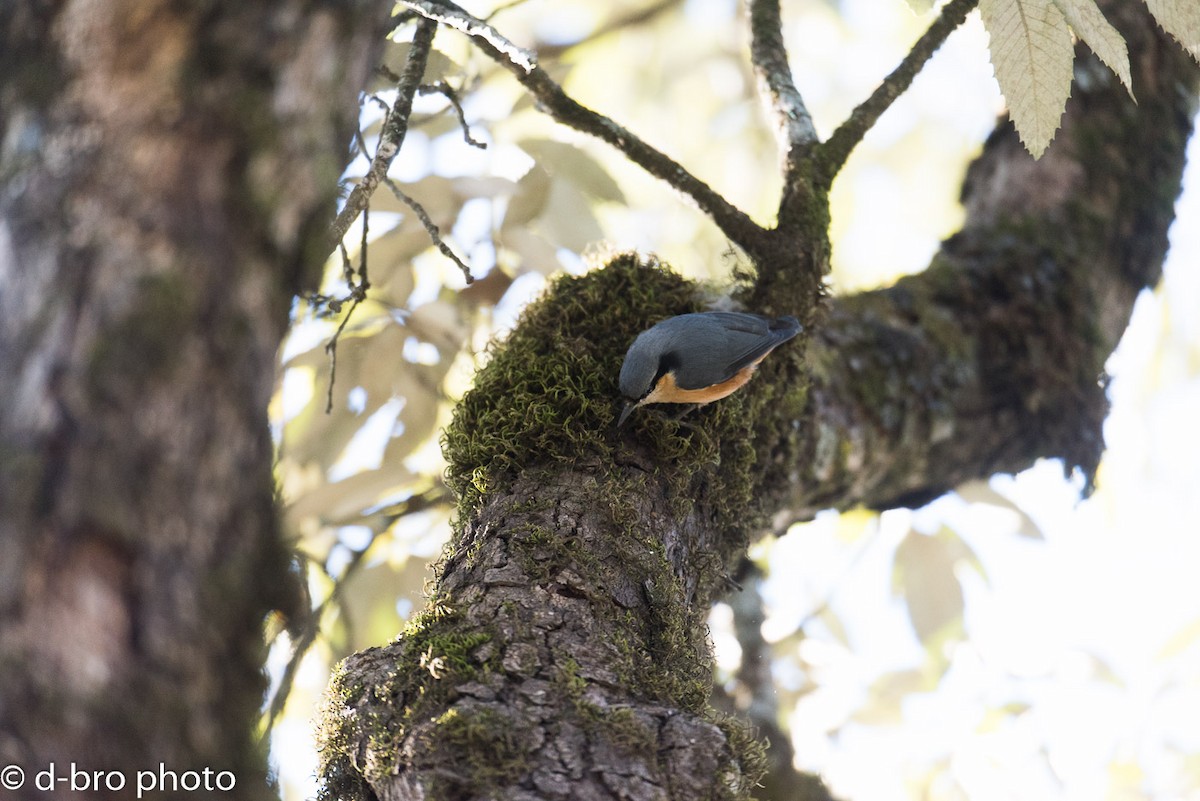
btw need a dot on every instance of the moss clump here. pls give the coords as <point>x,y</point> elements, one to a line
<point>439,649</point>
<point>549,392</point>
<point>748,757</point>
<point>549,395</point>
<point>487,749</point>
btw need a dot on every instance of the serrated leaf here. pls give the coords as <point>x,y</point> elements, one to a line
<point>1089,24</point>
<point>1181,19</point>
<point>1032,55</point>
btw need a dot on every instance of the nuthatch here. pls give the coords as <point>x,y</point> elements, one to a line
<point>698,358</point>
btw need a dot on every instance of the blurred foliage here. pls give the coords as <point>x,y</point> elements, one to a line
<point>920,644</point>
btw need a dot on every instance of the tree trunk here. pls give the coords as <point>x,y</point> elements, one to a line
<point>167,177</point>
<point>563,653</point>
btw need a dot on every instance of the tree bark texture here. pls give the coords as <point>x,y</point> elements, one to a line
<point>563,654</point>
<point>166,177</point>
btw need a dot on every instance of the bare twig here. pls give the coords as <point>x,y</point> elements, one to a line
<point>447,91</point>
<point>394,129</point>
<point>793,124</point>
<point>732,221</point>
<point>430,228</point>
<point>358,293</point>
<point>837,148</point>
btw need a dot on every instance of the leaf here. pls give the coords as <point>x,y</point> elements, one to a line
<point>342,502</point>
<point>1181,641</point>
<point>1105,41</point>
<point>569,220</point>
<point>535,252</point>
<point>575,165</point>
<point>529,200</point>
<point>438,66</point>
<point>1032,54</point>
<point>924,575</point>
<point>1181,19</point>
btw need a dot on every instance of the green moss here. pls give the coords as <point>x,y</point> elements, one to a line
<point>748,757</point>
<point>486,748</point>
<point>549,396</point>
<point>549,392</point>
<point>438,650</point>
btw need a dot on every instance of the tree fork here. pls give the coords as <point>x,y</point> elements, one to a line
<point>579,550</point>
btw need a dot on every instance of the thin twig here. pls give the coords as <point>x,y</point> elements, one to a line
<point>732,221</point>
<point>837,148</point>
<point>430,228</point>
<point>793,124</point>
<point>394,129</point>
<point>447,91</point>
<point>347,272</point>
<point>358,293</point>
<point>360,289</point>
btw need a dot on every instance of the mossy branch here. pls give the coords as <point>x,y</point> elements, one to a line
<point>837,148</point>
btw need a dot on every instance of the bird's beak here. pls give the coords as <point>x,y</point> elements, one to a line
<point>629,407</point>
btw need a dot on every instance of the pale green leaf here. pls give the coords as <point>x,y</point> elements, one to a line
<point>575,165</point>
<point>1032,54</point>
<point>924,576</point>
<point>342,502</point>
<point>1181,641</point>
<point>1089,24</point>
<point>529,200</point>
<point>1181,19</point>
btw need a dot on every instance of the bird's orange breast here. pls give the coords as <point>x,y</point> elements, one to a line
<point>667,391</point>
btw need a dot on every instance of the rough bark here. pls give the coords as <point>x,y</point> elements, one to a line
<point>563,653</point>
<point>166,178</point>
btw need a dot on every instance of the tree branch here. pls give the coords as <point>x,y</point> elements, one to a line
<point>793,124</point>
<point>430,228</point>
<point>837,148</point>
<point>995,355</point>
<point>551,98</point>
<point>395,128</point>
<point>452,16</point>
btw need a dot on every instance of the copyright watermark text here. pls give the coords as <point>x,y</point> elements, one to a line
<point>144,783</point>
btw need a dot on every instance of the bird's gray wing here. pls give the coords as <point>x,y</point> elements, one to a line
<point>732,341</point>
